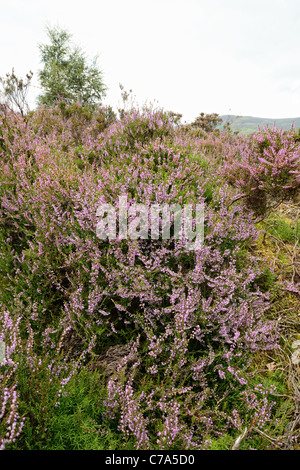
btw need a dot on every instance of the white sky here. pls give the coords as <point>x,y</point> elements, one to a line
<point>224,56</point>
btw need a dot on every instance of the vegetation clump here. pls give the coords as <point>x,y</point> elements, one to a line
<point>140,343</point>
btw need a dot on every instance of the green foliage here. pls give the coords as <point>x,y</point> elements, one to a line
<point>39,388</point>
<point>78,424</point>
<point>67,74</point>
<point>279,227</point>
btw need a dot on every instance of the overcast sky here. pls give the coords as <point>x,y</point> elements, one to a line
<point>225,56</point>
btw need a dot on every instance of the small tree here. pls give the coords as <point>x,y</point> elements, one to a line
<point>15,90</point>
<point>67,74</point>
<point>207,122</point>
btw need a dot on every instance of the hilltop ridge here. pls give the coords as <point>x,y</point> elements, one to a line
<point>249,124</point>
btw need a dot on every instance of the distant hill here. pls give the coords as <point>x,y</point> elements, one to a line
<point>249,124</point>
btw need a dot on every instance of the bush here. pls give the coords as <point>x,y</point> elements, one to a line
<point>267,171</point>
<point>190,321</point>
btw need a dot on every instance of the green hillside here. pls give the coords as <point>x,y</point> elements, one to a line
<point>249,124</point>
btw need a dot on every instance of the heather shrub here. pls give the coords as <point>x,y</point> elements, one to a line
<point>192,320</point>
<point>198,334</point>
<point>11,422</point>
<point>268,171</point>
<point>136,129</point>
<point>40,368</point>
<point>84,120</point>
